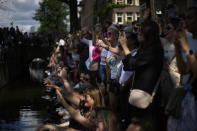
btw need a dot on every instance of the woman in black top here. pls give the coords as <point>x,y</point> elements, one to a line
<point>147,65</point>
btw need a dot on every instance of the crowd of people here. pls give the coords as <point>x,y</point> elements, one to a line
<point>13,37</point>
<point>139,78</point>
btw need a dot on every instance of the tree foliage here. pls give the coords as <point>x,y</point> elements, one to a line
<point>52,16</point>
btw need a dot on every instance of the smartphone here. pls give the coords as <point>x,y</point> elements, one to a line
<point>121,33</point>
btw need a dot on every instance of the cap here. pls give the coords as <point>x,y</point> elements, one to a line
<point>113,27</point>
<point>128,29</point>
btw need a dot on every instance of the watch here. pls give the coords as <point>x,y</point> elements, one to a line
<point>189,52</point>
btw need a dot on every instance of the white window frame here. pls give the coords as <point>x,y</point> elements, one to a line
<point>137,2</point>
<point>126,16</point>
<point>126,1</point>
<point>116,17</point>
<point>137,15</point>
<point>119,1</point>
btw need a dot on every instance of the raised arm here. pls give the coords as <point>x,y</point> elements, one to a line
<point>147,57</point>
<point>68,92</point>
<point>74,114</point>
<point>85,41</point>
<point>109,47</point>
<point>123,43</point>
<point>191,63</point>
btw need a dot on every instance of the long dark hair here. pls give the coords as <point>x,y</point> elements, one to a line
<point>150,32</point>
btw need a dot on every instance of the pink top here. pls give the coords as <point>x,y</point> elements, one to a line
<point>96,54</point>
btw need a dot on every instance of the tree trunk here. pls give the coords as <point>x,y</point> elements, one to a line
<point>73,16</point>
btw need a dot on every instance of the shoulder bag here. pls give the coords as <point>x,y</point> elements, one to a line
<point>142,99</point>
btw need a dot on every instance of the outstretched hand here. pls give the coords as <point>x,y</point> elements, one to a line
<point>62,73</point>
<point>181,36</point>
<point>49,83</point>
<point>102,44</point>
<point>59,96</point>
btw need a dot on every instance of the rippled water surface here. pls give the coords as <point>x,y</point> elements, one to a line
<point>24,103</point>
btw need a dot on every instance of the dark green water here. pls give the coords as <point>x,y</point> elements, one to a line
<point>22,103</point>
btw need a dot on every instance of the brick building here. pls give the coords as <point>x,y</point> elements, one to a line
<point>122,15</point>
<point>126,14</point>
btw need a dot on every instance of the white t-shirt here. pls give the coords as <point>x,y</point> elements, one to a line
<point>112,61</point>
<point>124,75</point>
<point>89,43</point>
<point>193,46</point>
<point>170,58</point>
<point>169,49</point>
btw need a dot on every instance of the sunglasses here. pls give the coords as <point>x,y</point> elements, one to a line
<point>109,33</point>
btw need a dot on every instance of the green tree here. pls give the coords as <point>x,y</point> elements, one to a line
<point>52,16</point>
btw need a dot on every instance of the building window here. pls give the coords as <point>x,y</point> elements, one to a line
<point>119,18</point>
<point>137,16</point>
<point>129,17</point>
<point>137,3</point>
<point>119,2</point>
<point>129,2</point>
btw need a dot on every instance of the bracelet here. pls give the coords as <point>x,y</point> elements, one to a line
<point>65,80</point>
<point>107,48</point>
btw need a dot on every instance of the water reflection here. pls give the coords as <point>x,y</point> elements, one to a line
<point>23,103</point>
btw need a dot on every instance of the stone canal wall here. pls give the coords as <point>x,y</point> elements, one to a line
<point>3,74</point>
<point>17,62</point>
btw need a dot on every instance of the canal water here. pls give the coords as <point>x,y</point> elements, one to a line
<point>22,103</point>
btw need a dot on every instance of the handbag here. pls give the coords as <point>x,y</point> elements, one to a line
<point>142,99</point>
<point>94,66</point>
<point>173,106</point>
<point>188,113</point>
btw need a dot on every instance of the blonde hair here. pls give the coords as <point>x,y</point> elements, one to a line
<point>108,118</point>
<point>97,96</point>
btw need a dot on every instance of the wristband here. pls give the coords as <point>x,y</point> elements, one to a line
<point>107,48</point>
<point>65,80</point>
